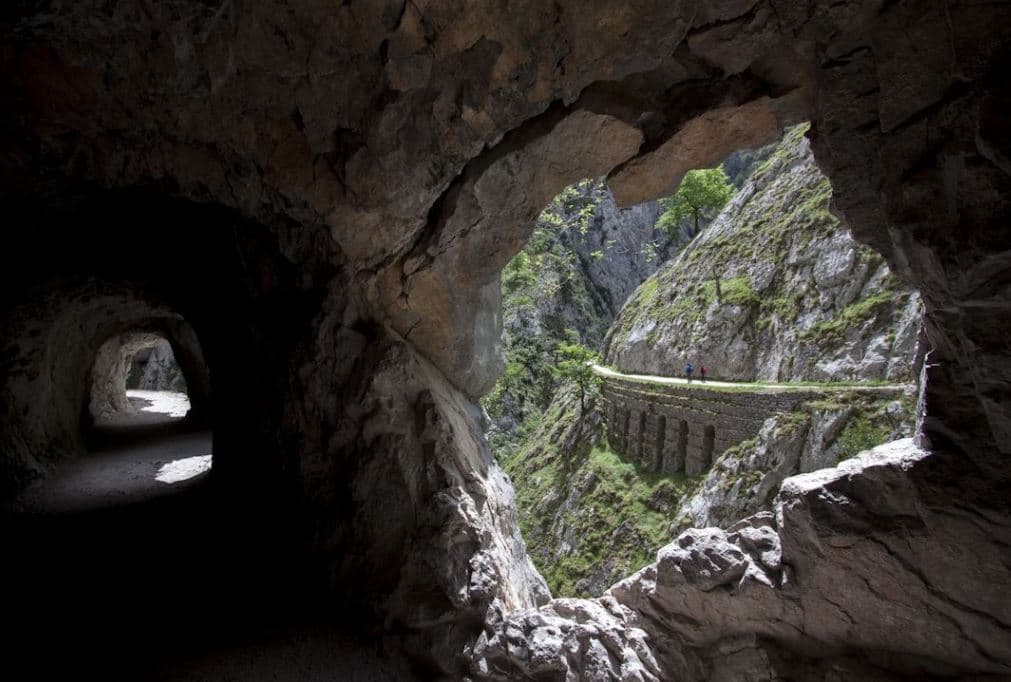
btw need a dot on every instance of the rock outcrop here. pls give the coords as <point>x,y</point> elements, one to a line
<point>817,434</point>
<point>786,595</point>
<point>774,289</point>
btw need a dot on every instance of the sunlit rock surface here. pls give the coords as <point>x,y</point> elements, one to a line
<point>786,595</point>
<point>798,298</point>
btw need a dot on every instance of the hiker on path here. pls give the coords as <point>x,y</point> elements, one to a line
<point>702,373</point>
<point>688,372</point>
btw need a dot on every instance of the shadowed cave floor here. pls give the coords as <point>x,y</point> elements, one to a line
<point>112,573</point>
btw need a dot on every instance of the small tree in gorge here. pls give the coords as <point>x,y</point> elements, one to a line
<point>702,193</point>
<point>575,363</point>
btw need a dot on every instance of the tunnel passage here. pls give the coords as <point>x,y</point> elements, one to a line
<point>136,367</point>
<point>116,360</point>
<point>89,471</point>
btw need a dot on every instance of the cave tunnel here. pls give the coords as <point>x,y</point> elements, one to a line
<point>322,205</point>
<point>110,500</point>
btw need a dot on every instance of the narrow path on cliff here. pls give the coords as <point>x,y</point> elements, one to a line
<point>744,386</point>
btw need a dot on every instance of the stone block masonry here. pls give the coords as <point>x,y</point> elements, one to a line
<point>672,428</point>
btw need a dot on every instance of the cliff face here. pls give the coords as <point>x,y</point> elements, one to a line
<point>584,258</point>
<point>588,516</point>
<point>774,289</point>
<point>818,434</point>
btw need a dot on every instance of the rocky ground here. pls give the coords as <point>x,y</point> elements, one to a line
<point>765,598</point>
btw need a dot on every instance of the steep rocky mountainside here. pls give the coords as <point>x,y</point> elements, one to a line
<point>774,289</point>
<point>588,517</point>
<point>584,258</point>
<point>591,515</point>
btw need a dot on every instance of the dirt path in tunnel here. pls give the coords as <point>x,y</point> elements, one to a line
<point>123,475</point>
<point>133,562</point>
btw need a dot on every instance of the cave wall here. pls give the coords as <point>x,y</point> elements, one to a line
<point>343,183</point>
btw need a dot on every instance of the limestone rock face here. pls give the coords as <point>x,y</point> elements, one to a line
<point>571,639</point>
<point>584,258</point>
<point>745,479</point>
<point>454,519</point>
<point>777,596</point>
<point>797,298</point>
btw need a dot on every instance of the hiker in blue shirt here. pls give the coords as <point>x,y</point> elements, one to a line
<point>688,372</point>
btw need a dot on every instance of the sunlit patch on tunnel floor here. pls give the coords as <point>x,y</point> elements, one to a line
<point>183,469</point>
<point>168,403</point>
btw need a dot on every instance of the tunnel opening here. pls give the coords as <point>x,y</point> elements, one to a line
<point>172,494</point>
<point>743,271</point>
<point>135,375</point>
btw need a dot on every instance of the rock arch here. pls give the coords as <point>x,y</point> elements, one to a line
<point>364,176</point>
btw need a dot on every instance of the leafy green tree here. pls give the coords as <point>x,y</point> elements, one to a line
<point>575,363</point>
<point>702,193</point>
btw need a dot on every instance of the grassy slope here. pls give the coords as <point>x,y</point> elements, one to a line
<point>622,513</point>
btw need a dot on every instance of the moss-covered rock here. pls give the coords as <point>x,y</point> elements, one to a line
<point>746,478</point>
<point>588,516</point>
<point>774,289</point>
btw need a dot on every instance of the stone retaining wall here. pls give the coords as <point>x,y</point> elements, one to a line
<point>682,429</point>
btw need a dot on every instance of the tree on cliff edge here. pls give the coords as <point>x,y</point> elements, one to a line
<point>701,195</point>
<point>576,364</point>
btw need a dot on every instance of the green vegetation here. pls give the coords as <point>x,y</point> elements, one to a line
<point>575,364</point>
<point>623,513</point>
<point>701,195</point>
<point>518,274</point>
<point>738,291</point>
<point>860,434</point>
<point>856,313</point>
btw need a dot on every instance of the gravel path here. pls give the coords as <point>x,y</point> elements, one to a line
<point>749,385</point>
